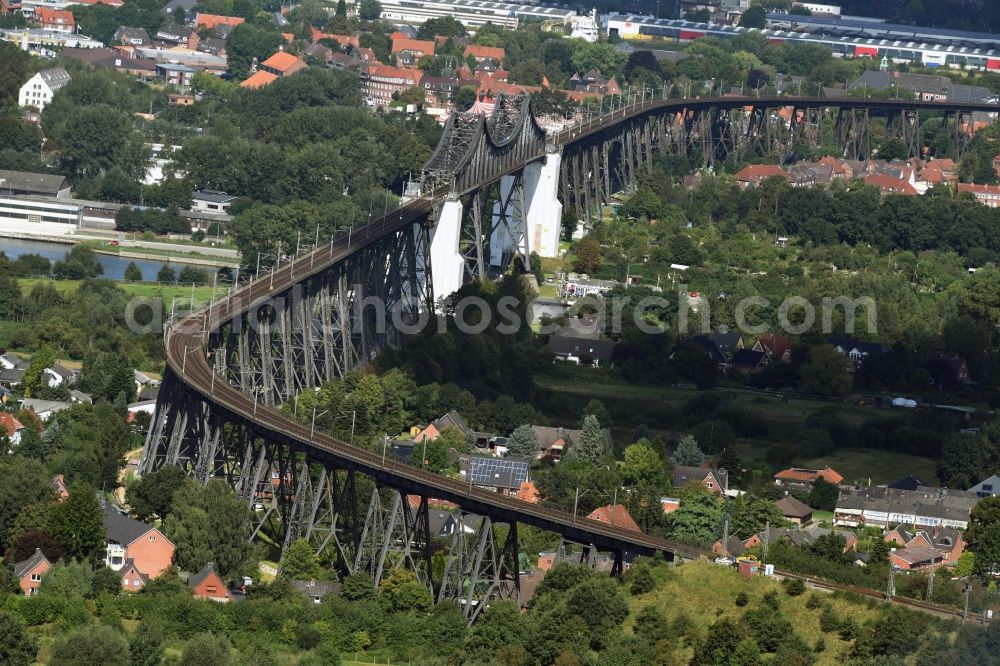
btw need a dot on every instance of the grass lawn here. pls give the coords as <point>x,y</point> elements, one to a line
<point>879,466</point>
<point>706,592</point>
<point>140,289</point>
<point>548,291</point>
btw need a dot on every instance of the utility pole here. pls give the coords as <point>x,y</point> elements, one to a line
<point>890,590</point>
<point>930,586</point>
<point>725,534</point>
<point>967,590</point>
<point>763,546</point>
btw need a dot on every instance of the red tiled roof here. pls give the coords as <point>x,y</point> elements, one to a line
<point>415,45</point>
<point>890,185</point>
<point>754,173</point>
<point>775,345</point>
<point>212,20</point>
<point>46,16</point>
<point>976,188</point>
<point>10,424</point>
<point>918,555</point>
<point>281,61</point>
<point>259,79</point>
<point>616,515</point>
<point>378,70</point>
<point>491,52</point>
<point>808,475</point>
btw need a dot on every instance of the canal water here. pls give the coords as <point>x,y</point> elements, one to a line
<point>114,266</point>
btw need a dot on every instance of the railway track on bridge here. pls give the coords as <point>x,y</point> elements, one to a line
<point>206,394</point>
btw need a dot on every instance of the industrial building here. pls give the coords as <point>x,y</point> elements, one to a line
<point>473,13</point>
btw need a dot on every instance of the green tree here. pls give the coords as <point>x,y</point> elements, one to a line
<point>698,520</point>
<point>99,138</point>
<point>596,409</point>
<point>27,483</point>
<point>17,646</point>
<point>78,523</point>
<point>86,646</point>
<point>688,452</point>
<point>523,442</point>
<point>465,97</point>
<point>499,626</point>
<point>823,495</point>
<point>152,495</point>
<point>146,646</point>
<point>754,17</point>
<point>206,648</point>
<point>108,376</point>
<point>587,255</point>
<point>966,564</point>
<point>299,562</point>
<point>133,273</point>
<point>166,274</point>
<point>593,443</point>
<point>642,465</point>
<point>248,41</point>
<point>210,523</point>
<point>828,372</point>
<point>192,275</point>
<point>369,10</point>
<point>341,10</point>
<point>984,515</point>
<point>42,359</point>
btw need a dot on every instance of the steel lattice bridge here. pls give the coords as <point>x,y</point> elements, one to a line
<point>313,318</point>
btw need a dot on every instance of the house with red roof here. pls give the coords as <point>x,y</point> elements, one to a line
<point>11,427</point>
<point>258,80</point>
<point>409,51</point>
<point>988,195</point>
<point>207,584</point>
<point>754,174</point>
<point>211,21</point>
<point>778,347</point>
<point>479,52</point>
<point>133,543</point>
<point>55,19</point>
<point>283,64</point>
<point>889,185</point>
<point>615,515</point>
<point>806,477</point>
<point>379,82</point>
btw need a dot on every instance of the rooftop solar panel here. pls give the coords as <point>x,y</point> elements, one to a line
<point>498,472</point>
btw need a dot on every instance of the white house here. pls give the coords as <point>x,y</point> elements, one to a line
<point>988,487</point>
<point>211,201</point>
<point>40,88</point>
<point>57,375</point>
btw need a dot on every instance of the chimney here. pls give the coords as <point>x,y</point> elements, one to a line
<point>192,41</point>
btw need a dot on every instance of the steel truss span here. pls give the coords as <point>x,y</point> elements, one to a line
<point>231,365</point>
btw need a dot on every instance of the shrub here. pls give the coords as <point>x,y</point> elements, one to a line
<point>814,602</point>
<point>742,599</point>
<point>794,587</point>
<point>829,620</point>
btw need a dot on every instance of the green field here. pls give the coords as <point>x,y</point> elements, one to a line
<point>878,466</point>
<point>139,289</point>
<point>706,592</point>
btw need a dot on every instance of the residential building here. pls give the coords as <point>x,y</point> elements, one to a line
<point>207,584</point>
<point>177,99</point>
<point>409,51</point>
<point>806,477</point>
<point>754,174</point>
<point>923,508</point>
<point>987,487</point>
<point>797,537</point>
<point>616,515</point>
<point>480,53</point>
<point>174,74</point>
<point>133,541</point>
<point>579,286</point>
<point>133,580</point>
<point>716,481</point>
<point>916,559</point>
<point>211,201</point>
<point>11,427</point>
<point>29,572</point>
<point>131,36</point>
<point>909,482</point>
<point>708,346</point>
<point>778,347</point>
<point>174,33</point>
<point>258,80</point>
<point>857,350</point>
<point>946,540</point>
<point>283,64</point>
<point>889,185</point>
<point>60,488</point>
<point>213,21</point>
<point>553,442</point>
<point>794,511</point>
<point>315,589</point>
<point>39,89</point>
<point>748,360</point>
<point>988,195</point>
<point>380,82</point>
<point>59,375</point>
<point>947,371</point>
<point>810,174</point>
<point>57,20</point>
<point>43,409</point>
<point>927,88</point>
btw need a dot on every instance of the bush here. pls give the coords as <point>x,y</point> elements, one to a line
<point>642,581</point>
<point>770,600</point>
<point>814,602</point>
<point>794,587</point>
<point>742,599</point>
<point>829,621</point>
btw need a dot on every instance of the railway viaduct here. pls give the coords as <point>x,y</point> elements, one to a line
<point>493,190</point>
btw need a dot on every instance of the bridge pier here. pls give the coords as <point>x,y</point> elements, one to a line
<point>446,259</point>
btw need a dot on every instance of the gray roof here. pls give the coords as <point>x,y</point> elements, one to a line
<point>194,580</point>
<point>120,528</point>
<point>547,435</point>
<point>173,67</point>
<point>925,501</point>
<point>684,474</point>
<point>39,406</point>
<point>81,397</point>
<point>23,567</point>
<point>55,77</point>
<point>316,588</point>
<point>12,376</point>
<point>174,31</point>
<point>15,360</point>
<point>186,5</point>
<point>597,350</point>
<point>32,183</point>
<point>128,33</point>
<point>213,195</point>
<point>793,508</point>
